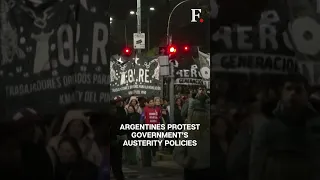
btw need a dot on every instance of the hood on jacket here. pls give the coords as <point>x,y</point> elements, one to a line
<point>76,115</point>
<point>133,98</point>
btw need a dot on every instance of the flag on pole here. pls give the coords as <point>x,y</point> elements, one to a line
<point>203,62</point>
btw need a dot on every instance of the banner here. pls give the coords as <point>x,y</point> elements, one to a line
<point>54,57</point>
<point>260,44</point>
<point>137,76</point>
<point>190,74</point>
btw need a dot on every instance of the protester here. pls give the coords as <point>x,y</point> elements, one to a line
<point>287,147</point>
<point>238,156</point>
<point>157,105</point>
<point>199,109</point>
<point>10,153</point>
<point>177,112</point>
<point>76,125</point>
<point>195,159</point>
<point>135,103</point>
<point>71,165</point>
<point>35,159</point>
<point>150,116</point>
<point>220,142</point>
<point>101,127</point>
<point>134,118</point>
<point>117,136</point>
<point>185,106</point>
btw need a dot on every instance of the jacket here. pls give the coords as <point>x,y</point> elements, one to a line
<point>137,106</point>
<point>88,145</point>
<point>185,107</point>
<point>287,147</point>
<point>159,111</point>
<point>150,116</point>
<point>199,111</point>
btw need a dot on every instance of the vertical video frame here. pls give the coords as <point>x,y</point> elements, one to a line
<point>265,92</point>
<point>159,89</point>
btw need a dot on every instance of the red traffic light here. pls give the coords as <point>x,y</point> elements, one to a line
<point>172,49</point>
<point>127,51</point>
<point>186,48</point>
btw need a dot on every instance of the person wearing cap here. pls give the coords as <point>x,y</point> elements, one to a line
<point>76,124</point>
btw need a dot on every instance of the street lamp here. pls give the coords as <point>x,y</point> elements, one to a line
<point>171,86</point>
<point>169,39</point>
<point>111,18</point>
<point>148,26</point>
<point>132,12</point>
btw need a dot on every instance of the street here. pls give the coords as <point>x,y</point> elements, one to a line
<point>164,170</point>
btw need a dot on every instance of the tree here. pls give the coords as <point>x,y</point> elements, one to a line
<point>152,52</point>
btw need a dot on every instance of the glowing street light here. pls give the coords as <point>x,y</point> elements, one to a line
<point>151,9</point>
<point>111,18</point>
<point>132,12</point>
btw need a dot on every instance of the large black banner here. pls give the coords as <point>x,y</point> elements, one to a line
<point>54,54</point>
<point>251,40</point>
<point>189,73</point>
<point>137,76</point>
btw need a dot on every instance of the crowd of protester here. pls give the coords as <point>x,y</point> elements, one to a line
<point>265,129</point>
<point>70,146</point>
<point>79,144</point>
<point>257,130</point>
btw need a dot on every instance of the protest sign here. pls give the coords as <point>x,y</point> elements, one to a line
<point>54,57</point>
<point>138,76</point>
<point>188,73</point>
<point>260,45</point>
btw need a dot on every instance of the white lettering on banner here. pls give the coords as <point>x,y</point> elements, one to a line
<point>267,34</point>
<point>129,76</point>
<point>136,86</point>
<point>66,48</point>
<point>56,83</point>
<point>193,72</point>
<point>192,82</point>
<point>99,45</point>
<point>249,62</point>
<point>84,96</point>
<point>63,30</point>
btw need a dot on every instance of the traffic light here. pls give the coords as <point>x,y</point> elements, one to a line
<point>172,52</point>
<point>172,49</point>
<point>186,48</point>
<point>127,52</point>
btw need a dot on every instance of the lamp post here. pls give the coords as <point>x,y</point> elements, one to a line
<point>151,9</point>
<point>131,13</point>
<point>171,86</point>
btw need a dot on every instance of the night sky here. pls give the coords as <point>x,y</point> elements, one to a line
<point>181,28</point>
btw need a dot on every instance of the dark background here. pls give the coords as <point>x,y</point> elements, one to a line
<point>195,34</point>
